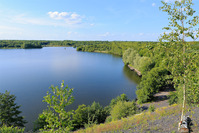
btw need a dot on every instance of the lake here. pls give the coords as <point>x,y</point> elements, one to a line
<point>28,74</point>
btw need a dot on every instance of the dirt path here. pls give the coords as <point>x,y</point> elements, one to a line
<point>166,124</point>
<point>161,100</point>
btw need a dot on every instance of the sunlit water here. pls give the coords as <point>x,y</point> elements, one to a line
<point>28,74</point>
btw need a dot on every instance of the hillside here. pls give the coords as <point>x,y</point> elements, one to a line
<point>165,119</point>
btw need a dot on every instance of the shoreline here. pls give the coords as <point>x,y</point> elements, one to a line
<point>135,70</point>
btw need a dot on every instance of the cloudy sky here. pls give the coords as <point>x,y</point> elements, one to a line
<point>124,20</point>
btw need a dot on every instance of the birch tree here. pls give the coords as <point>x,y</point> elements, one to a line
<point>176,40</point>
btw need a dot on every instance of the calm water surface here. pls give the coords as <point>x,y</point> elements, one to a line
<point>28,74</point>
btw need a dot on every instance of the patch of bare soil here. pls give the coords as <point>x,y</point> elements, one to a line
<point>160,100</point>
<point>166,124</point>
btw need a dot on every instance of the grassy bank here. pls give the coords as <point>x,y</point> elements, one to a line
<point>164,119</point>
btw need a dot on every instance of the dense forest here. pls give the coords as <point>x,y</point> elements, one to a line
<point>24,44</point>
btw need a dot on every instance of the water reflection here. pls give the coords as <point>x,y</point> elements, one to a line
<point>131,75</point>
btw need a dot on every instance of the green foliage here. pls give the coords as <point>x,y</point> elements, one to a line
<point>182,58</point>
<point>151,83</point>
<point>56,116</point>
<point>5,129</point>
<point>108,119</point>
<point>40,123</point>
<point>33,43</point>
<point>151,108</point>
<point>193,91</point>
<point>142,64</point>
<point>173,98</point>
<point>116,47</point>
<point>121,98</point>
<point>9,111</point>
<point>86,116</point>
<point>146,64</point>
<point>80,117</point>
<point>79,49</point>
<point>97,112</point>
<point>123,109</point>
<point>129,56</point>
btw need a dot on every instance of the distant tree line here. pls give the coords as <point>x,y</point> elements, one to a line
<point>24,44</point>
<point>118,47</point>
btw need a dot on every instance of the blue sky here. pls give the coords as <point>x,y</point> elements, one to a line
<point>120,20</point>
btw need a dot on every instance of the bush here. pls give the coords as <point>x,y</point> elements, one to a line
<point>80,117</point>
<point>146,64</point>
<point>151,83</point>
<point>40,123</point>
<point>86,116</point>
<point>97,113</point>
<point>123,109</point>
<point>5,129</point>
<point>151,108</point>
<point>122,98</point>
<point>108,119</point>
<point>141,63</point>
<point>173,98</point>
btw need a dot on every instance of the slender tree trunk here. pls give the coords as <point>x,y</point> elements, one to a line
<point>184,67</point>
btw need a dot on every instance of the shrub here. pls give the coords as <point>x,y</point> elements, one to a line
<point>151,108</point>
<point>80,117</point>
<point>151,83</point>
<point>86,116</point>
<point>121,98</point>
<point>123,109</point>
<point>40,123</point>
<point>146,64</point>
<point>108,119</point>
<point>5,129</point>
<point>173,98</point>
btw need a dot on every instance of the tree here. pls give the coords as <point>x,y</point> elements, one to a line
<point>5,129</point>
<point>123,109</point>
<point>9,111</point>
<point>152,82</point>
<point>56,116</point>
<point>86,116</point>
<point>121,98</point>
<point>182,63</point>
<point>80,117</point>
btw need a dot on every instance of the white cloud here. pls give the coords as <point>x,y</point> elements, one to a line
<point>57,15</point>
<point>2,27</point>
<point>141,34</point>
<point>68,17</point>
<point>105,34</point>
<point>69,33</point>
<point>153,4</point>
<point>73,22</point>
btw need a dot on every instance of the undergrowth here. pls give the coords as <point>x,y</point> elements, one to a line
<point>132,122</point>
